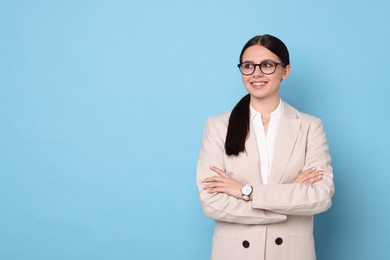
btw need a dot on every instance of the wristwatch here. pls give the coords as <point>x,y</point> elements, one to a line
<point>246,191</point>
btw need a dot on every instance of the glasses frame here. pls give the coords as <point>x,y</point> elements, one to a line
<point>259,64</point>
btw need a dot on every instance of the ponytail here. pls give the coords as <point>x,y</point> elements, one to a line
<point>238,127</point>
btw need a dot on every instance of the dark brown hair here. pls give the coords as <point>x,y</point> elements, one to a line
<point>238,127</point>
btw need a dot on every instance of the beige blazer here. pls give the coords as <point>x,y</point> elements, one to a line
<point>278,223</point>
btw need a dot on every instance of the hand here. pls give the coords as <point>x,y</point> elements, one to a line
<point>309,176</point>
<point>223,183</point>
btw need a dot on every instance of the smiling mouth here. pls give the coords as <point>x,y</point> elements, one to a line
<point>258,84</point>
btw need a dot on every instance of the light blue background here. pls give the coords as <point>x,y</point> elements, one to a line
<point>103,104</point>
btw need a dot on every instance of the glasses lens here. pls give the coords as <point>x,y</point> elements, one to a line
<point>268,67</point>
<point>247,68</point>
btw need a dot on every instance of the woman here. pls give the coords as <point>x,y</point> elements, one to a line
<point>264,168</point>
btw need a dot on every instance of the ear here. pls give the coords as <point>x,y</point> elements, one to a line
<point>286,72</point>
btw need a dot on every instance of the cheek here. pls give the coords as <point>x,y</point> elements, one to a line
<point>245,79</point>
<point>277,77</point>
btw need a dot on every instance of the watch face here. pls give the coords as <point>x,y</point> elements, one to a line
<point>246,190</point>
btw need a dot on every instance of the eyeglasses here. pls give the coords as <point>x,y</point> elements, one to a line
<point>266,67</point>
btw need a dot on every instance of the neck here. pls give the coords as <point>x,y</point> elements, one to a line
<point>265,106</point>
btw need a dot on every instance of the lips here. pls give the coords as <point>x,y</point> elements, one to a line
<point>258,84</point>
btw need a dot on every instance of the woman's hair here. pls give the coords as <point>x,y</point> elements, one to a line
<point>238,127</point>
<point>271,43</point>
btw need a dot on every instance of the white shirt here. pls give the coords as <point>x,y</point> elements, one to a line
<point>266,143</point>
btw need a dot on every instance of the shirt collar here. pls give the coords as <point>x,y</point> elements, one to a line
<point>276,113</point>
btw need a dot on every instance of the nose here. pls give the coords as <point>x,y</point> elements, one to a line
<point>258,72</point>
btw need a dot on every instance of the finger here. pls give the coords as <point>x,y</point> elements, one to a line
<point>218,179</point>
<point>308,171</point>
<point>215,187</point>
<point>221,189</point>
<point>215,190</point>
<point>314,179</point>
<point>303,175</point>
<point>214,184</point>
<point>219,172</point>
<point>213,179</point>
<point>310,174</point>
<point>219,182</point>
<point>307,175</point>
<point>224,185</point>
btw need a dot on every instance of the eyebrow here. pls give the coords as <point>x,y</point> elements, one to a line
<point>266,60</point>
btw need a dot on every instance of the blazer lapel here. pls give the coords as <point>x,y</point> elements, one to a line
<point>285,141</point>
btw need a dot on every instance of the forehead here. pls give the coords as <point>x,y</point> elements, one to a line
<point>258,53</point>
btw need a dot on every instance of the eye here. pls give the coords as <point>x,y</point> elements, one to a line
<point>247,65</point>
<point>267,64</point>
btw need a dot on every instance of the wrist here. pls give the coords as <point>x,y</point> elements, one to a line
<point>246,192</point>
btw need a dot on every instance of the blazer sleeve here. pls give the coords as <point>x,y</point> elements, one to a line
<point>301,199</point>
<point>220,206</point>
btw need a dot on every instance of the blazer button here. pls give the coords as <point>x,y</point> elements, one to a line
<point>245,244</point>
<point>279,241</point>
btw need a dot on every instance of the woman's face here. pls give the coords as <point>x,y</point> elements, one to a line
<point>259,85</point>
